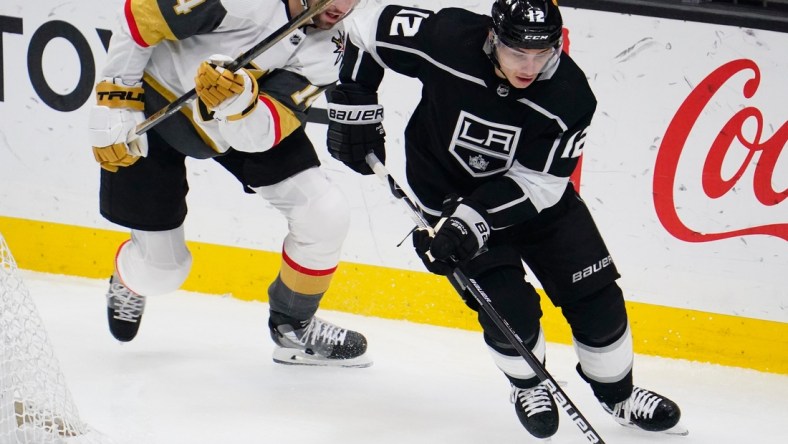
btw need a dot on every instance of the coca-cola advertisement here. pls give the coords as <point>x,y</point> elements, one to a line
<point>685,167</point>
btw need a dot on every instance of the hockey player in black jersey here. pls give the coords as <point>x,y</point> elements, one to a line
<point>489,150</point>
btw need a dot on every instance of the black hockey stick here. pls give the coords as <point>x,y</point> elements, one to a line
<point>298,21</point>
<point>461,283</point>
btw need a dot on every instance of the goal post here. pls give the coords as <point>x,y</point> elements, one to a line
<point>36,406</point>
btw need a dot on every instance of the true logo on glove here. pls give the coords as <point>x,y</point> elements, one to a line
<point>119,96</point>
<point>135,96</point>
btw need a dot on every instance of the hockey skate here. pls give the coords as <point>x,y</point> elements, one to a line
<point>124,310</point>
<point>536,410</point>
<point>648,411</point>
<point>316,342</point>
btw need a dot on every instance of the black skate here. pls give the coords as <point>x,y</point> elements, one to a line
<point>536,410</point>
<point>316,342</point>
<point>648,411</point>
<point>124,310</point>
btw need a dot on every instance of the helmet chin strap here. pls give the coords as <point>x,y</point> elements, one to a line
<point>304,4</point>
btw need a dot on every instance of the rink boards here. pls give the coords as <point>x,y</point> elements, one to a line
<point>684,171</point>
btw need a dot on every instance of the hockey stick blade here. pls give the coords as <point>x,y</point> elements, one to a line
<point>298,21</point>
<point>461,283</point>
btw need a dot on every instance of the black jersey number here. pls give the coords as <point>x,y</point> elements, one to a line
<point>186,6</point>
<point>407,22</point>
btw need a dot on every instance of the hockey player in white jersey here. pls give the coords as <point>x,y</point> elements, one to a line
<point>251,122</point>
<point>489,151</point>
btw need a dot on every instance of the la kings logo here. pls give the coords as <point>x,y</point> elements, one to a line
<point>482,147</point>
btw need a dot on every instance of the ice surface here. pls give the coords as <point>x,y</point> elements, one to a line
<point>200,371</point>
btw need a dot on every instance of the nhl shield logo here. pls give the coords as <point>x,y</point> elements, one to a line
<point>295,39</point>
<point>503,90</point>
<point>482,147</point>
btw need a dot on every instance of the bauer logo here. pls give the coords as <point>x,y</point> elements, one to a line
<point>482,147</point>
<point>591,269</point>
<point>355,115</point>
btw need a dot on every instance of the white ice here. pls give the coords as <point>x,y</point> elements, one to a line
<point>200,371</point>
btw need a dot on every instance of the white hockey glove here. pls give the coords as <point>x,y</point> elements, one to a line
<point>231,96</point>
<point>118,111</point>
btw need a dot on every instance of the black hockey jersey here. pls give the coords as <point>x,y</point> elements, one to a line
<point>472,133</point>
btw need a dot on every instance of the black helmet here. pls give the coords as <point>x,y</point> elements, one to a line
<point>532,24</point>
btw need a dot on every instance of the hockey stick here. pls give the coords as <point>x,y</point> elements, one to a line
<point>242,60</point>
<point>461,283</point>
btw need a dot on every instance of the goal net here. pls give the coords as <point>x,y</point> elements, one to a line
<point>35,405</point>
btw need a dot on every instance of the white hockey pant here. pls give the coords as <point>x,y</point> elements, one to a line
<point>318,218</point>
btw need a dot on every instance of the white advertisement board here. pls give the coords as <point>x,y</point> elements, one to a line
<point>684,168</point>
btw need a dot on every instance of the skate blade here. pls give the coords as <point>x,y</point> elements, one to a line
<point>289,356</point>
<point>676,430</point>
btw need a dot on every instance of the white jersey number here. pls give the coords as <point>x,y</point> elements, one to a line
<point>575,144</point>
<point>186,6</point>
<point>408,21</point>
<point>306,95</point>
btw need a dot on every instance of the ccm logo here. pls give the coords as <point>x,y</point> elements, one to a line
<point>591,269</point>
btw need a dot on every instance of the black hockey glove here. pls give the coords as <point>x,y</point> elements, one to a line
<point>355,126</point>
<point>421,242</point>
<point>462,231</point>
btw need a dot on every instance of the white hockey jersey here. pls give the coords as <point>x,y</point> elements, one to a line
<point>163,43</point>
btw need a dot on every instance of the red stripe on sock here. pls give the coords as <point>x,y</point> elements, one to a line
<point>303,270</point>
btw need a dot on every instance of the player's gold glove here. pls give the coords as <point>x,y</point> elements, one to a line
<point>214,86</point>
<point>229,95</point>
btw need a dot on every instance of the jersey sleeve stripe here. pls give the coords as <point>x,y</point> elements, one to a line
<point>274,117</point>
<point>283,119</point>
<point>147,23</point>
<point>429,59</point>
<point>132,24</point>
